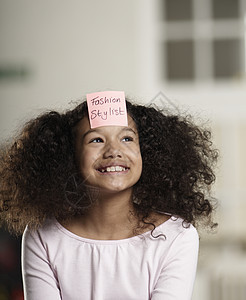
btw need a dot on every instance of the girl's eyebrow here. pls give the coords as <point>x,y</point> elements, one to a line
<point>96,130</point>
<point>87,132</point>
<point>128,129</point>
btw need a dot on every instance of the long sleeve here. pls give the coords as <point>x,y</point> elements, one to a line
<point>39,279</point>
<point>178,273</point>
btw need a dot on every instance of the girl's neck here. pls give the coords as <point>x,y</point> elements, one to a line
<point>111,217</point>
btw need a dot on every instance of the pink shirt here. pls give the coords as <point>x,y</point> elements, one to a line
<point>57,264</point>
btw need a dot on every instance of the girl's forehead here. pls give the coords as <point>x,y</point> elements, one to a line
<point>84,125</point>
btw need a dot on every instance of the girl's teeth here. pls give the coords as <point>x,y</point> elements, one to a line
<point>113,169</point>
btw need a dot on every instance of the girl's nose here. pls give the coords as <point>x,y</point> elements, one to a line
<point>112,151</point>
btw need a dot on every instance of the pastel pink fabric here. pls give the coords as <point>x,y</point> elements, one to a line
<point>57,264</point>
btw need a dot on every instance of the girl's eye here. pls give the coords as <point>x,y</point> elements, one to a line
<point>127,139</point>
<point>96,140</point>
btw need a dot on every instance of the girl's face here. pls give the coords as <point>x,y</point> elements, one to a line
<point>109,157</point>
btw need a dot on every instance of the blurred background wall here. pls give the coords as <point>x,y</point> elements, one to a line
<point>188,54</point>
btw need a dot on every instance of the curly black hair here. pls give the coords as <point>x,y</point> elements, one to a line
<point>40,179</point>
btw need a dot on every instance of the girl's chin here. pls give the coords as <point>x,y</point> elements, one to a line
<point>114,189</point>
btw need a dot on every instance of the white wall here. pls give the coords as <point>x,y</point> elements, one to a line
<point>70,48</point>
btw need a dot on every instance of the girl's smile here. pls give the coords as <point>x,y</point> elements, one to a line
<point>109,157</point>
<point>114,168</point>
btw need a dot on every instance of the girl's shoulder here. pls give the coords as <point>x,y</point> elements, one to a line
<point>174,228</point>
<point>47,231</point>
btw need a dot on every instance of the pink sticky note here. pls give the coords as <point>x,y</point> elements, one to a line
<point>107,109</point>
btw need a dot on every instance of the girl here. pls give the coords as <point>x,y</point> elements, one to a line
<point>108,213</point>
